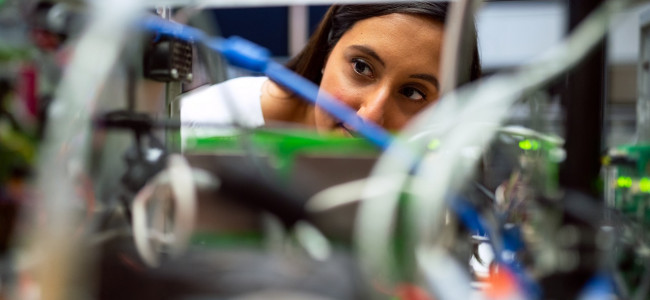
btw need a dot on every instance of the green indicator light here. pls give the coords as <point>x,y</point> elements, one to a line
<point>625,182</point>
<point>526,144</point>
<point>529,144</point>
<point>535,145</point>
<point>434,144</point>
<point>644,185</point>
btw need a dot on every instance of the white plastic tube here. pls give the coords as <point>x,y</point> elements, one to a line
<point>65,149</point>
<point>462,117</point>
<point>178,177</point>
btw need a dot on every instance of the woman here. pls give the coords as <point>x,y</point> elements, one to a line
<point>383,60</point>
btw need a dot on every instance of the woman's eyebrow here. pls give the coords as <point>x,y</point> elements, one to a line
<point>427,77</point>
<point>368,51</point>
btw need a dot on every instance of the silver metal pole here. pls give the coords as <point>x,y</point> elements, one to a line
<point>172,91</point>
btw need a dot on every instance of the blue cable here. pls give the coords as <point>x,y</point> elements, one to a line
<point>245,54</point>
<point>475,223</point>
<point>309,91</point>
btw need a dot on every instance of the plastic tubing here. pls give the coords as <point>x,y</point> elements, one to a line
<point>64,153</point>
<point>462,117</point>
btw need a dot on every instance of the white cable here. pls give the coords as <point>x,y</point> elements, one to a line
<point>443,273</point>
<point>67,137</point>
<point>521,131</point>
<point>178,177</point>
<point>457,114</point>
<point>373,237</point>
<point>140,227</point>
<point>489,103</point>
<point>346,193</point>
<point>459,44</point>
<point>183,187</point>
<point>313,241</point>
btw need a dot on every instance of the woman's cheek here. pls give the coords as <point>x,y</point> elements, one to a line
<point>349,95</point>
<point>341,97</point>
<point>340,88</point>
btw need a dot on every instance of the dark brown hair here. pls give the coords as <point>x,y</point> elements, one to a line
<point>340,18</point>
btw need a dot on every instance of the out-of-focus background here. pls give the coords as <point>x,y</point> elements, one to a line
<point>533,184</point>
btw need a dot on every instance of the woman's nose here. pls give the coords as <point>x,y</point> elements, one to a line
<point>373,106</point>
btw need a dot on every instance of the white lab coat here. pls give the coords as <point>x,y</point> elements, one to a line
<point>228,105</point>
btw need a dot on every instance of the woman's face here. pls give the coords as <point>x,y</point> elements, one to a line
<point>386,68</point>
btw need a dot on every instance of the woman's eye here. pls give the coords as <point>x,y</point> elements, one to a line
<point>413,94</point>
<point>361,67</point>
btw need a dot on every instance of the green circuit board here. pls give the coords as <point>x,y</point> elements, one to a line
<point>284,145</point>
<point>629,176</point>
